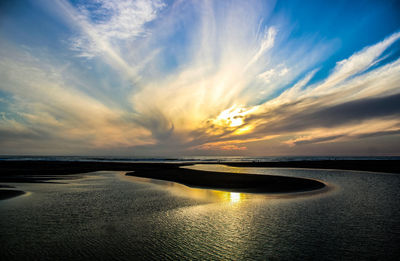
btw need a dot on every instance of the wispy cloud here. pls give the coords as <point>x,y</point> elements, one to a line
<point>50,111</point>
<point>105,22</point>
<point>105,27</point>
<point>358,62</point>
<point>266,43</point>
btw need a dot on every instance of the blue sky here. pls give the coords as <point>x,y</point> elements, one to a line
<point>199,77</point>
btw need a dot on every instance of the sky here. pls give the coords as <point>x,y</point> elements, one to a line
<point>182,78</point>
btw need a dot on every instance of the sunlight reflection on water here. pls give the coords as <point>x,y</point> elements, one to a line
<point>234,197</point>
<point>195,193</point>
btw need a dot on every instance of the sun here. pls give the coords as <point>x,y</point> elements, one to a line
<point>234,116</point>
<point>234,119</point>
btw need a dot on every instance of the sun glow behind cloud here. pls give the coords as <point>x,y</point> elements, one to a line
<point>191,77</point>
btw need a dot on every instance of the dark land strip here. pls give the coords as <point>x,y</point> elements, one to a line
<point>10,193</point>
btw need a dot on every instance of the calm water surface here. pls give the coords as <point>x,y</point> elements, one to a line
<point>109,216</point>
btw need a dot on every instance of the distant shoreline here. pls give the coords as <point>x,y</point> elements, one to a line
<point>44,171</point>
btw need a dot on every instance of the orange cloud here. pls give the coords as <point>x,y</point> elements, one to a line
<point>226,147</point>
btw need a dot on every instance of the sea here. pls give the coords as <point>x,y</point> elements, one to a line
<point>107,215</point>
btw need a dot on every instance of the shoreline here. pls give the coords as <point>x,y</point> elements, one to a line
<point>45,171</point>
